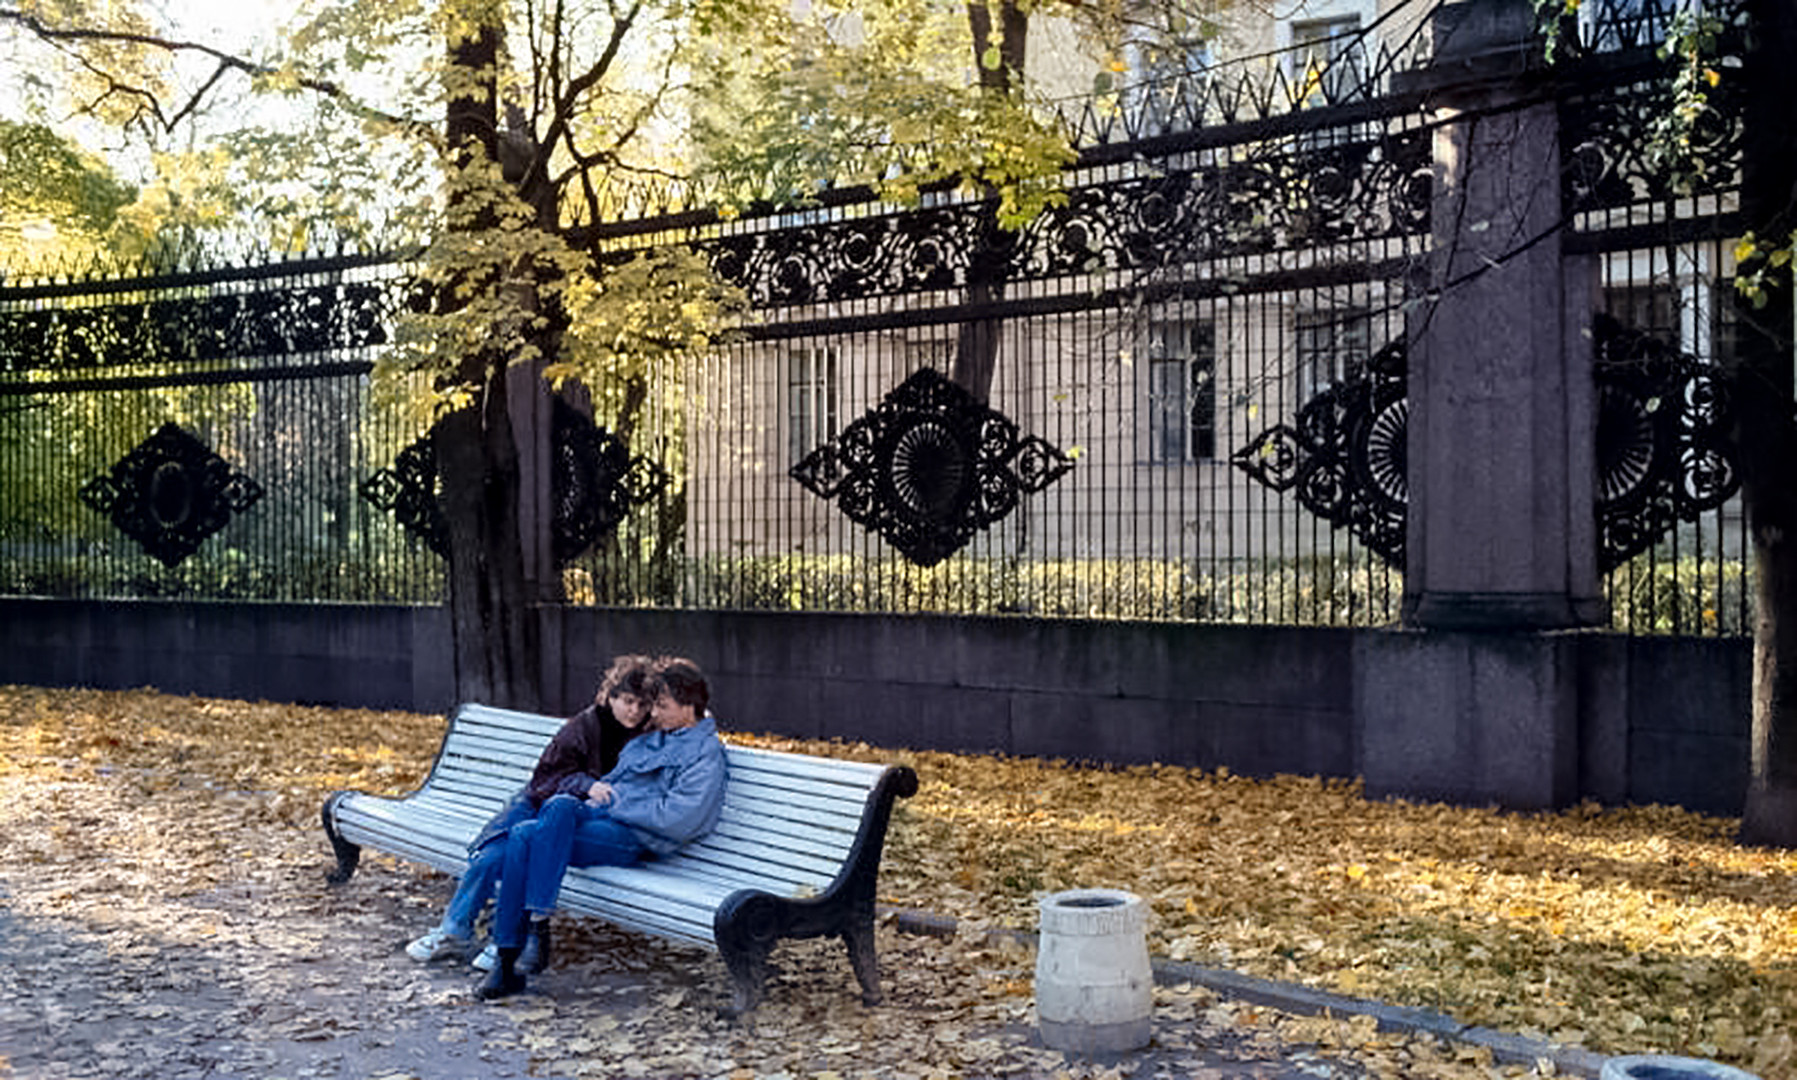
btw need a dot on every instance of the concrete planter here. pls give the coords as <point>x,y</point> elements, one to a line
<point>1094,986</point>
<point>1668,1067</point>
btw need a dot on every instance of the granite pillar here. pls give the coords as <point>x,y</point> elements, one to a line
<point>1502,534</point>
<point>1477,700</point>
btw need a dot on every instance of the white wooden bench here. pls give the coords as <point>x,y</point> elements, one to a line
<point>795,855</point>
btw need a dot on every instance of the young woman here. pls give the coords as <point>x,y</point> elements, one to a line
<point>667,790</point>
<point>586,748</point>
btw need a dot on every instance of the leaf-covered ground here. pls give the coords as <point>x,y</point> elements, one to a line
<point>1620,930</point>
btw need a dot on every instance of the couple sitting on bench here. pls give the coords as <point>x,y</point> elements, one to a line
<point>608,790</point>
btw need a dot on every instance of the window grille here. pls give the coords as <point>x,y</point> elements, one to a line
<point>1182,367</point>
<point>1329,345</point>
<point>811,401</point>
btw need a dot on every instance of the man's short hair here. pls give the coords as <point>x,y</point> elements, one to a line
<point>681,680</point>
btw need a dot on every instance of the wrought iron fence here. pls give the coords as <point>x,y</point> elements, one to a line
<point>201,434</point>
<point>1136,407</point>
<point>930,414</point>
<point>1673,538</point>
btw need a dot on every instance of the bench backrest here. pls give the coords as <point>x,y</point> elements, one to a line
<point>789,820</point>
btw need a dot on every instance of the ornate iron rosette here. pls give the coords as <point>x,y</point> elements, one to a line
<point>1663,448</point>
<point>1663,453</point>
<point>1346,457</point>
<point>595,483</point>
<point>860,257</point>
<point>170,493</point>
<point>1364,180</point>
<point>1608,143</point>
<point>929,466</point>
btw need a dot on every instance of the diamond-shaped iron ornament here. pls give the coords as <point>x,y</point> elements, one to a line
<point>595,484</point>
<point>597,481</point>
<point>929,466</point>
<point>408,490</point>
<point>1664,453</point>
<point>1346,456</point>
<point>170,493</point>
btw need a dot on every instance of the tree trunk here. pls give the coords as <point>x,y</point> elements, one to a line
<point>976,346</point>
<point>492,621</point>
<point>1768,440</point>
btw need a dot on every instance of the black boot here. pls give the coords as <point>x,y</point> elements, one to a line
<point>535,955</point>
<point>504,980</point>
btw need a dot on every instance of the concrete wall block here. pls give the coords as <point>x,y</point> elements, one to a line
<point>1519,719</point>
<point>921,717</point>
<point>1705,773</point>
<point>1690,684</point>
<point>1469,718</point>
<point>1313,665</point>
<point>1603,717</point>
<point>1263,741</point>
<point>772,704</point>
<point>1119,730</point>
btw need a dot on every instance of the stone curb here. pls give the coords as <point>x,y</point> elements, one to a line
<point>1505,1047</point>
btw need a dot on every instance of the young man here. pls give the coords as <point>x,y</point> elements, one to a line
<point>667,790</point>
<point>586,748</point>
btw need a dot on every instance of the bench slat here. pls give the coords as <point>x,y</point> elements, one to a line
<point>749,790</point>
<point>790,764</point>
<point>756,806</point>
<point>729,878</point>
<point>779,848</point>
<point>781,873</point>
<point>808,833</point>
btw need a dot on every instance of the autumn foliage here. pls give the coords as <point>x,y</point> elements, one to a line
<point>1623,930</point>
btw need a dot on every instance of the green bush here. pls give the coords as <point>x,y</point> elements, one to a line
<point>1322,591</point>
<point>227,575</point>
<point>1652,594</point>
<point>1655,594</point>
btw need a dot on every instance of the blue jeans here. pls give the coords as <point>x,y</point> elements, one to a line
<point>566,832</point>
<point>481,879</point>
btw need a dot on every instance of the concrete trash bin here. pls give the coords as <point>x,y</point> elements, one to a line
<point>1094,986</point>
<point>1668,1067</point>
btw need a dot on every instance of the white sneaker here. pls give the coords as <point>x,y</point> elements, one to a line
<point>439,944</point>
<point>488,958</point>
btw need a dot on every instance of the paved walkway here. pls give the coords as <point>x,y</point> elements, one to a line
<point>105,1000</point>
<point>268,973</point>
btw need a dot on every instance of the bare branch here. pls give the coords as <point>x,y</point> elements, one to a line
<point>193,103</point>
<point>62,36</point>
<point>567,101</point>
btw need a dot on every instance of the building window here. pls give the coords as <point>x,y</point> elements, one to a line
<point>1608,25</point>
<point>1651,309</point>
<point>810,401</point>
<point>1725,341</point>
<point>1330,345</point>
<point>1328,58</point>
<point>1165,56</point>
<point>1182,392</point>
<point>1157,93</point>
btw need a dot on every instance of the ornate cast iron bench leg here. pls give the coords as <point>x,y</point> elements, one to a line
<point>746,927</point>
<point>348,854</point>
<point>858,937</point>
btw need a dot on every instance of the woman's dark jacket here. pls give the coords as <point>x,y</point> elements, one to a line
<point>585,749</point>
